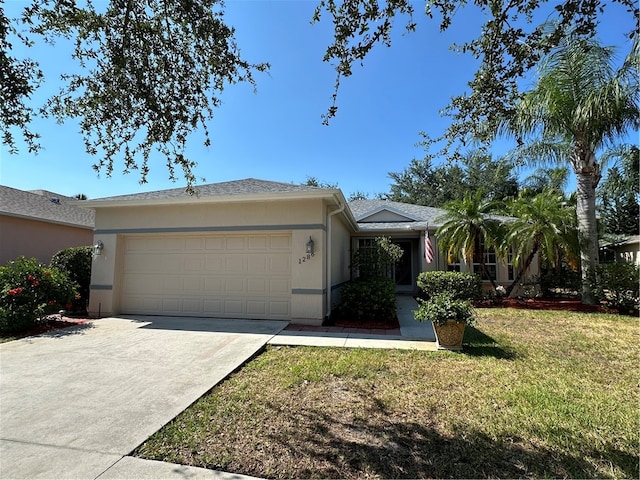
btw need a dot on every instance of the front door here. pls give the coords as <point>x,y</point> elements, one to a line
<point>404,273</point>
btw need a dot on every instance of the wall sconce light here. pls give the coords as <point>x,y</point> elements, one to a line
<point>98,247</point>
<point>310,246</point>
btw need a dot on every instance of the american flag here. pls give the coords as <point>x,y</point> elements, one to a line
<point>428,247</point>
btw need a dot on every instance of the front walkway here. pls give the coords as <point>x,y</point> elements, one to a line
<point>412,334</point>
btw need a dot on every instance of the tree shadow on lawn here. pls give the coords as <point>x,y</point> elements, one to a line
<point>394,448</point>
<point>479,344</point>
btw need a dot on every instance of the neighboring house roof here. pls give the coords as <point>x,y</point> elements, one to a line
<point>632,240</point>
<point>246,187</point>
<point>52,195</point>
<point>34,206</point>
<point>387,215</point>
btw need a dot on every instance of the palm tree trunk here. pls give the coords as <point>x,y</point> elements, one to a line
<point>587,230</point>
<point>524,268</point>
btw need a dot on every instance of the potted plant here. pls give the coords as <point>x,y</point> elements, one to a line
<point>449,316</point>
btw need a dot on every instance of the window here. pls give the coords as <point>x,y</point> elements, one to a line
<point>511,271</point>
<point>490,270</point>
<point>453,267</point>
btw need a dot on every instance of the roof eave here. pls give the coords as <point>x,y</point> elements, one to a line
<point>265,196</point>
<point>46,220</point>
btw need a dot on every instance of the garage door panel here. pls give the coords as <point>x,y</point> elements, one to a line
<point>213,286</point>
<point>167,262</point>
<point>236,243</point>
<point>213,307</point>
<point>234,286</point>
<point>213,263</point>
<point>258,264</point>
<point>140,284</point>
<point>193,285</point>
<point>279,264</point>
<point>192,306</point>
<point>280,242</point>
<point>172,284</point>
<point>227,275</point>
<point>258,243</point>
<point>279,308</point>
<point>279,286</point>
<point>257,286</point>
<point>193,263</point>
<point>234,307</point>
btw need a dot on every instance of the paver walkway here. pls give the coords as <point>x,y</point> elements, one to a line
<point>411,334</point>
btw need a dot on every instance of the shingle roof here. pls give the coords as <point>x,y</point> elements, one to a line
<point>18,203</point>
<point>248,186</point>
<point>424,216</point>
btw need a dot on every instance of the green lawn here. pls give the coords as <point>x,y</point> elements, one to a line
<point>535,394</point>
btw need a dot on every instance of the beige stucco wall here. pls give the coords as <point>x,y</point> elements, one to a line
<point>303,218</point>
<point>33,238</point>
<point>340,259</point>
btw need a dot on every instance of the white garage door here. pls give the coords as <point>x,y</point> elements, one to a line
<point>214,275</point>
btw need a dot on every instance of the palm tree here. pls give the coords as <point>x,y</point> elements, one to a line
<point>542,179</point>
<point>579,105</point>
<point>467,226</point>
<point>543,224</point>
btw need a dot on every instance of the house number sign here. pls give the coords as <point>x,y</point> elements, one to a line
<point>306,258</point>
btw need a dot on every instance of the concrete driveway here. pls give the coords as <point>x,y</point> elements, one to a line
<point>75,401</point>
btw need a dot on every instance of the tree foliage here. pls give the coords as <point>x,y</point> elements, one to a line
<point>423,184</point>
<point>468,225</point>
<point>543,224</point>
<point>579,105</point>
<point>509,46</point>
<point>151,73</point>
<point>618,195</point>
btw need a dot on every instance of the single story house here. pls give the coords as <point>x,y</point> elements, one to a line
<point>627,250</point>
<point>40,223</point>
<point>248,249</point>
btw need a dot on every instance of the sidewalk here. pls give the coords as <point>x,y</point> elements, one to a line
<point>412,335</point>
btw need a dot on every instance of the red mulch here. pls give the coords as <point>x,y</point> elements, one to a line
<point>51,324</point>
<point>371,324</point>
<point>563,304</point>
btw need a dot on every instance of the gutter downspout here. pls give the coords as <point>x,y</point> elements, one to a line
<point>329,215</point>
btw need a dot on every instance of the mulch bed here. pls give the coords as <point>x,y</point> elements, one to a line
<point>53,323</point>
<point>371,324</point>
<point>563,304</point>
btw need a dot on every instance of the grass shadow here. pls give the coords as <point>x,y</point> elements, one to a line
<point>400,449</point>
<point>479,344</point>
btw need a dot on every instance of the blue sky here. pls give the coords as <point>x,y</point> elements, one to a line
<point>277,133</point>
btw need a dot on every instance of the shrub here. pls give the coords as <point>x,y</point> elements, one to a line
<point>443,307</point>
<point>617,285</point>
<point>460,285</point>
<point>29,292</point>
<point>76,263</point>
<point>558,283</point>
<point>368,299</point>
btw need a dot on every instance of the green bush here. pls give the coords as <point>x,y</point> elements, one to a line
<point>617,285</point>
<point>443,307</point>
<point>564,282</point>
<point>76,263</point>
<point>368,299</point>
<point>460,285</point>
<point>29,292</point>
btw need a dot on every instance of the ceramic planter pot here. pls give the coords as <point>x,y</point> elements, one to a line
<point>449,335</point>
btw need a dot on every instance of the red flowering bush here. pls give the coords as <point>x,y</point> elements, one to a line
<point>29,292</point>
